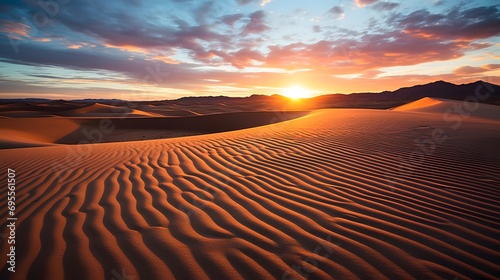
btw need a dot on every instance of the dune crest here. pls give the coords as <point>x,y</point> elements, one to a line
<point>34,132</point>
<point>447,106</point>
<point>104,110</point>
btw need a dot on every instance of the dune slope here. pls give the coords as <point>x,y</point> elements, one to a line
<point>104,110</point>
<point>337,194</point>
<point>35,132</point>
<point>446,106</point>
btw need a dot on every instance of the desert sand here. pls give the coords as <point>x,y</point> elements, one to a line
<point>35,125</point>
<point>408,193</point>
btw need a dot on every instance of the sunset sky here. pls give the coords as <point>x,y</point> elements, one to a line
<point>157,49</point>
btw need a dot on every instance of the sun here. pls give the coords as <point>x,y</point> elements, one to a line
<point>296,92</point>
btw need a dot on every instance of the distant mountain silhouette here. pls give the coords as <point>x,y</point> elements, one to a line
<point>382,100</point>
<point>388,99</point>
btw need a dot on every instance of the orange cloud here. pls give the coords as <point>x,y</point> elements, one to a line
<point>371,52</point>
<point>471,70</point>
<point>128,48</point>
<point>41,39</point>
<point>13,29</point>
<point>75,47</point>
<point>165,59</point>
<point>362,3</point>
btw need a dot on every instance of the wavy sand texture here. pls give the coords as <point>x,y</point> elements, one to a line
<point>337,194</point>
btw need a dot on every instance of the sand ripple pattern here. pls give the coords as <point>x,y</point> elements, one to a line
<point>320,197</point>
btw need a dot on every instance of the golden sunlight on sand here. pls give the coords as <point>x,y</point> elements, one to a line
<point>334,194</point>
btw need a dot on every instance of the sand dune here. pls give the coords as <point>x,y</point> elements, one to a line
<point>176,108</point>
<point>446,106</point>
<point>104,110</point>
<point>70,109</point>
<point>171,112</point>
<point>336,194</point>
<point>35,132</point>
<point>31,110</point>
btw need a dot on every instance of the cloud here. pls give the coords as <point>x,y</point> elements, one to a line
<point>103,25</point>
<point>245,2</point>
<point>14,30</point>
<point>106,23</point>
<point>425,37</point>
<point>371,74</point>
<point>239,59</point>
<point>265,2</point>
<point>385,6</point>
<point>471,24</point>
<point>245,83</point>
<point>244,58</point>
<point>362,3</point>
<point>126,39</point>
<point>336,11</point>
<point>231,19</point>
<point>256,24</point>
<point>371,51</point>
<point>131,32</point>
<point>205,12</point>
<point>260,2</point>
<point>89,60</point>
<point>471,70</point>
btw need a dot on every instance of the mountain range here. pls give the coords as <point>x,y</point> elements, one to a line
<point>481,91</point>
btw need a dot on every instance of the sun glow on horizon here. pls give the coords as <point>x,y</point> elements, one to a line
<point>296,92</point>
